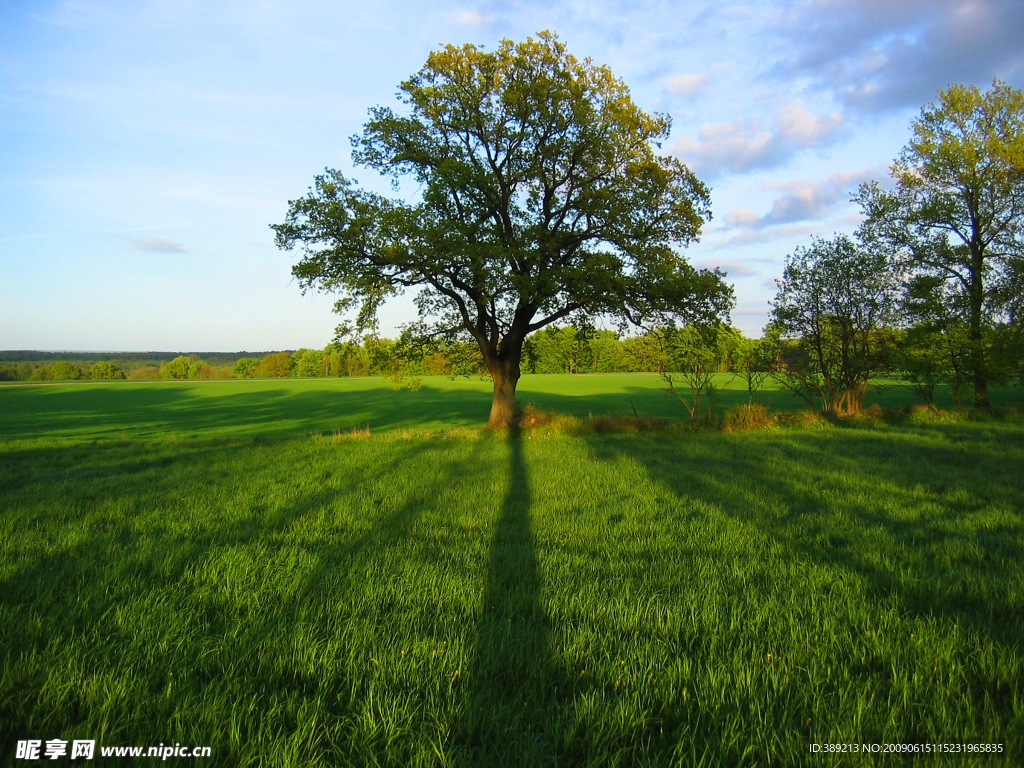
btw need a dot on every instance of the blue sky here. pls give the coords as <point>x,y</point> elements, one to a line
<point>145,147</point>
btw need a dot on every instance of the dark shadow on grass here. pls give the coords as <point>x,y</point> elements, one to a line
<point>512,704</point>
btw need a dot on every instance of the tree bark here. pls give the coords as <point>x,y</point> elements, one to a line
<point>977,299</point>
<point>505,375</point>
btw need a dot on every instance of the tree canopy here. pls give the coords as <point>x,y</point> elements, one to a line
<point>541,198</point>
<point>957,212</point>
<point>834,299</point>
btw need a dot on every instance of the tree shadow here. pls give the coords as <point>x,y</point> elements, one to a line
<point>914,532</point>
<point>821,510</point>
<point>514,690</point>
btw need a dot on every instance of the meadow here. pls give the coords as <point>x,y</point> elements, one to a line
<point>329,572</point>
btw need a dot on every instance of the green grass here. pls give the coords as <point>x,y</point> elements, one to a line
<point>279,408</point>
<point>184,562</point>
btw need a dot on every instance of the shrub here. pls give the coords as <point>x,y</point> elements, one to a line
<point>200,369</point>
<point>746,417</point>
<point>805,419</point>
<point>924,414</point>
<point>145,372</point>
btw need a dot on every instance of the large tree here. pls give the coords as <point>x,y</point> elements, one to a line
<point>957,212</point>
<point>540,197</point>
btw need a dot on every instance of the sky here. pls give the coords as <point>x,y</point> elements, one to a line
<point>146,146</point>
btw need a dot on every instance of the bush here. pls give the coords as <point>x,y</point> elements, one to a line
<point>924,414</point>
<point>145,372</point>
<point>746,418</point>
<point>437,364</point>
<point>805,419</point>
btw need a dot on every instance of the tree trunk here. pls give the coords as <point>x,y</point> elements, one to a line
<point>981,399</point>
<point>977,298</point>
<point>505,375</point>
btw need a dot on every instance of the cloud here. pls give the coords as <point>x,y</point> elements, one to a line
<point>807,200</point>
<point>783,232</point>
<point>474,18</point>
<point>878,55</point>
<point>732,267</point>
<point>688,85</point>
<point>745,145</point>
<point>804,200</point>
<point>159,245</point>
<point>741,217</point>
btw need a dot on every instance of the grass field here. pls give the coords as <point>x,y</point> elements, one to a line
<point>209,563</point>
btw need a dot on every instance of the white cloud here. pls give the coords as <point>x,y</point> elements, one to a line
<point>474,18</point>
<point>741,217</point>
<point>787,231</point>
<point>688,85</point>
<point>733,267</point>
<point>798,125</point>
<point>746,145</point>
<point>804,200</point>
<point>159,245</point>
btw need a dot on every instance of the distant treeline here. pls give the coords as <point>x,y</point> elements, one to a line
<point>921,357</point>
<point>33,365</point>
<point>551,350</point>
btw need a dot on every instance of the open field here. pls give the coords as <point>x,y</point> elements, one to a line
<point>203,563</point>
<point>282,408</point>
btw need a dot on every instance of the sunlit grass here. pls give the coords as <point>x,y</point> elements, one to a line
<point>275,408</point>
<point>427,595</point>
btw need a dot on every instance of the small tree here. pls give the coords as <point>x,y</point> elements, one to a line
<point>692,357</point>
<point>541,199</point>
<point>834,300</point>
<point>936,347</point>
<point>754,362</point>
<point>928,356</point>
